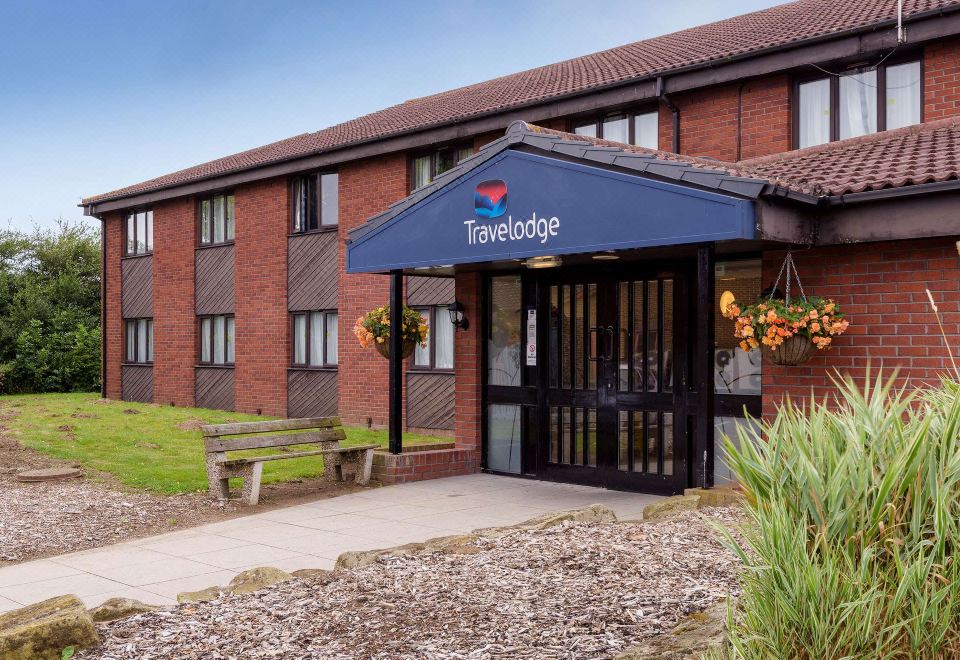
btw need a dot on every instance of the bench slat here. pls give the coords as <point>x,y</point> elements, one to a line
<point>237,428</point>
<point>276,457</point>
<point>218,444</point>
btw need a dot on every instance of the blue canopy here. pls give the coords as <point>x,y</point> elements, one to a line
<point>509,204</point>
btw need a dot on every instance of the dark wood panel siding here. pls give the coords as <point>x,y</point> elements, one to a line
<point>136,287</point>
<point>312,271</point>
<point>214,280</point>
<point>430,400</point>
<point>136,383</point>
<point>215,388</point>
<point>430,290</point>
<point>311,393</point>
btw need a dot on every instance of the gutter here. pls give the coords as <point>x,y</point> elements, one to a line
<point>892,193</point>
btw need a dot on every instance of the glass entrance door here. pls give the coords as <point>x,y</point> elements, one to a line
<point>613,380</point>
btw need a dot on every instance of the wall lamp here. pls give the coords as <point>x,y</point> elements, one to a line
<point>455,309</point>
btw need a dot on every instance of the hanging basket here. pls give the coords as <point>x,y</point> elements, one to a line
<point>793,351</point>
<point>408,347</point>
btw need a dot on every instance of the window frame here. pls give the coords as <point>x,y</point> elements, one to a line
<point>630,114</point>
<point>131,216</point>
<point>431,313</point>
<point>210,198</point>
<point>325,363</point>
<point>127,323</point>
<point>434,155</point>
<point>296,181</point>
<point>906,58</point>
<point>213,331</point>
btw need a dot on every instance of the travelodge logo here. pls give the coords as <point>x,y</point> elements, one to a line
<point>490,199</point>
<point>489,202</point>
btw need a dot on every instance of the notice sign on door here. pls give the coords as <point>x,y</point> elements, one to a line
<point>531,337</point>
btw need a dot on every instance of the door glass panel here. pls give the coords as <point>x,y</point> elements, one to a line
<point>503,438</point>
<point>592,437</point>
<point>580,436</point>
<point>639,444</point>
<point>666,356</point>
<point>739,430</point>
<point>653,441</point>
<point>624,358</point>
<point>567,432</point>
<point>554,434</point>
<point>565,347</point>
<point>579,356</point>
<point>652,357</point>
<point>592,323</point>
<point>667,443</point>
<point>503,346</point>
<point>623,440</point>
<point>638,336</point>
<point>555,331</point>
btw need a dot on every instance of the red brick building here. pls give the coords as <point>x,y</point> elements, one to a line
<point>677,168</point>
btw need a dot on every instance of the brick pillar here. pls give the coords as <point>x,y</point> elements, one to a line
<point>113,318</point>
<point>260,267</point>
<point>467,364</point>
<point>367,187</point>
<point>175,322</point>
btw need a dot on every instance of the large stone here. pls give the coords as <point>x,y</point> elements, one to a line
<point>256,579</point>
<point>119,608</point>
<point>48,474</point>
<point>316,575</point>
<point>718,496</point>
<point>670,506</point>
<point>691,638</point>
<point>595,513</point>
<point>202,596</point>
<point>45,629</point>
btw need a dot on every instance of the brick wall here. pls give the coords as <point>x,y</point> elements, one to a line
<point>941,80</point>
<point>262,352</point>
<point>765,117</point>
<point>881,287</point>
<point>367,187</point>
<point>113,318</point>
<point>174,324</point>
<point>467,364</point>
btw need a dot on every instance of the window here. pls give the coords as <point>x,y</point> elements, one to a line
<point>858,102</point>
<point>315,339</point>
<point>315,201</point>
<point>438,352</point>
<point>640,129</point>
<point>427,167</point>
<point>216,339</point>
<point>217,223</point>
<point>139,341</point>
<point>139,229</point>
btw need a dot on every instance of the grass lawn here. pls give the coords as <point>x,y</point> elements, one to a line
<point>157,448</point>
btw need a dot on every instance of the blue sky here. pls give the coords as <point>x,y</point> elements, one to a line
<point>97,94</point>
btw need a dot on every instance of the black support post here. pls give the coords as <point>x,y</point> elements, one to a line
<point>396,362</point>
<point>703,367</point>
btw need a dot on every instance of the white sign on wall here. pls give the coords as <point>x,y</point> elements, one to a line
<point>531,337</point>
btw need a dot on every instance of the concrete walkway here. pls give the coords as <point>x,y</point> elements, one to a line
<point>155,569</point>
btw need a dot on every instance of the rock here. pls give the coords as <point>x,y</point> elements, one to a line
<point>461,550</point>
<point>360,558</point>
<point>718,496</point>
<point>595,513</point>
<point>256,579</point>
<point>202,596</point>
<point>319,576</point>
<point>670,506</point>
<point>43,630</point>
<point>48,474</point>
<point>691,638</point>
<point>119,608</point>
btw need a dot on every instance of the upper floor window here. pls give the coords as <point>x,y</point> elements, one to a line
<point>217,219</point>
<point>315,339</point>
<point>427,167</point>
<point>139,230</point>
<point>438,351</point>
<point>640,129</point>
<point>315,201</point>
<point>858,103</point>
<point>216,339</point>
<point>139,341</point>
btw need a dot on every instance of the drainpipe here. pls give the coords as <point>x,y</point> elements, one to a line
<point>662,94</point>
<point>103,307</point>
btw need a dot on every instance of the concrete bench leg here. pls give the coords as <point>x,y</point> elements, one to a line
<point>365,467</point>
<point>217,481</point>
<point>252,473</point>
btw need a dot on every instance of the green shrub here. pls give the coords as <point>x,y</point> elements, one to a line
<point>854,527</point>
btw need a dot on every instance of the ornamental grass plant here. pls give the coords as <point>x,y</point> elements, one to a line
<point>851,549</point>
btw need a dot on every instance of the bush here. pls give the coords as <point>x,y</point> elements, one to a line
<point>855,527</point>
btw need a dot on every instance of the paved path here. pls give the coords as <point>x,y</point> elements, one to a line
<point>155,569</point>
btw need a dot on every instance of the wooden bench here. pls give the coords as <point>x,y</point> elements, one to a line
<point>324,432</point>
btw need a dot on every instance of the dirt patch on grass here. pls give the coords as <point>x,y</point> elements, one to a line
<point>192,424</point>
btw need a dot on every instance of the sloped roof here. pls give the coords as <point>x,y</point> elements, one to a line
<point>767,29</point>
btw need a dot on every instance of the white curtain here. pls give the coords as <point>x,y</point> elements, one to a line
<point>218,219</point>
<point>316,339</point>
<point>814,113</point>
<point>646,130</point>
<point>858,104</point>
<point>444,340</point>
<point>219,336</point>
<point>205,340</point>
<point>228,338</point>
<point>332,332</point>
<point>617,130</point>
<point>300,339</point>
<point>903,95</point>
<point>421,171</point>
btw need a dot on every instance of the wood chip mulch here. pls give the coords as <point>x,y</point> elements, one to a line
<point>571,591</point>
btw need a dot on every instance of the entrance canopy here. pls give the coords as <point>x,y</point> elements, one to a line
<point>531,194</point>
